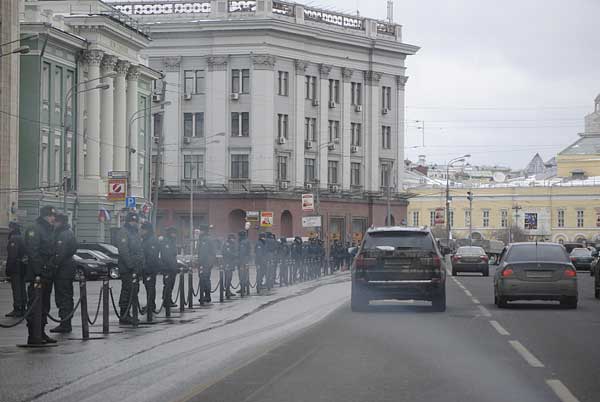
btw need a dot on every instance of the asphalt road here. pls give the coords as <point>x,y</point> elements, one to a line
<point>405,352</point>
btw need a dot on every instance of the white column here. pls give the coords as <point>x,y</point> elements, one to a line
<point>346,127</point>
<point>400,84</point>
<point>323,124</point>
<point>299,115</point>
<point>132,107</point>
<point>262,135</point>
<point>172,159</point>
<point>217,117</point>
<point>120,117</point>
<point>373,131</point>
<point>106,117</point>
<point>92,158</point>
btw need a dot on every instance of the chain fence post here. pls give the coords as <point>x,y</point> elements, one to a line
<point>36,314</point>
<point>167,298</point>
<point>221,287</point>
<point>105,307</point>
<point>85,328</point>
<point>181,291</point>
<point>135,288</point>
<point>190,289</point>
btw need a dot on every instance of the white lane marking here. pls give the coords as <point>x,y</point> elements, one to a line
<point>476,301</point>
<point>526,354</point>
<point>468,293</point>
<point>485,311</point>
<point>499,328</point>
<point>561,391</point>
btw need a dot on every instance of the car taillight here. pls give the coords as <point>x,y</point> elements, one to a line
<point>485,258</point>
<point>573,259</point>
<point>507,272</point>
<point>456,258</point>
<point>363,262</point>
<point>437,261</point>
<point>570,273</point>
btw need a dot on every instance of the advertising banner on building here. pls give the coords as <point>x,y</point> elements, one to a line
<point>598,217</point>
<point>308,203</point>
<point>266,219</point>
<point>117,189</point>
<point>252,216</point>
<point>531,221</point>
<point>311,221</point>
<point>439,216</point>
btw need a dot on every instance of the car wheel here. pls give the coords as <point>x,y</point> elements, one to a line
<point>439,300</point>
<point>592,272</point>
<point>501,302</point>
<point>597,293</point>
<point>454,272</point>
<point>358,300</point>
<point>486,272</point>
<point>569,302</point>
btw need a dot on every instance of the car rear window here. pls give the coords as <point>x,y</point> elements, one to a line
<point>399,240</point>
<point>581,252</point>
<point>470,251</point>
<point>532,252</point>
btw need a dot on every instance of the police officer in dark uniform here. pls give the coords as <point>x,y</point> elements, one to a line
<point>131,264</point>
<point>152,264</point>
<point>39,249</point>
<point>230,254</point>
<point>244,255</point>
<point>207,257</point>
<point>260,260</point>
<point>168,255</point>
<point>284,262</point>
<point>66,246</point>
<point>272,257</point>
<point>15,269</point>
<point>296,258</point>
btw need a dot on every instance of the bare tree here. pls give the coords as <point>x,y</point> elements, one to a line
<point>516,233</point>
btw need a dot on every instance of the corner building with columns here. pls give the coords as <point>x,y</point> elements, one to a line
<point>85,112</point>
<point>271,100</point>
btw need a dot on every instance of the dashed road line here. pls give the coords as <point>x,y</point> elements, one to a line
<point>526,354</point>
<point>468,293</point>
<point>561,391</point>
<point>499,328</point>
<point>484,311</point>
<point>476,301</point>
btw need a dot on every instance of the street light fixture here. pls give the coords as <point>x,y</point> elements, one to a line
<point>448,164</point>
<point>19,50</point>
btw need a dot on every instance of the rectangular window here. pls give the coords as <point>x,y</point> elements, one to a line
<point>334,91</point>
<point>240,124</point>
<point>431,218</point>
<point>193,166</point>
<point>69,86</point>
<point>199,124</point>
<point>310,124</point>
<point>283,83</point>
<point>157,126</point>
<point>355,174</point>
<point>386,97</point>
<point>46,83</point>
<point>415,218</point>
<point>188,124</point>
<point>188,82</point>
<point>200,84</point>
<point>356,129</point>
<point>467,217</point>
<point>332,172</point>
<point>580,219</point>
<point>239,167</point>
<point>561,218</point>
<point>57,169</point>
<point>386,137</point>
<point>486,218</point>
<point>504,218</point>
<point>58,78</point>
<point>282,168</point>
<point>385,175</point>
<point>451,218</point>
<point>309,170</point>
<point>282,125</point>
<point>235,81</point>
<point>356,93</point>
<point>334,131</point>
<point>245,81</point>
<point>310,87</point>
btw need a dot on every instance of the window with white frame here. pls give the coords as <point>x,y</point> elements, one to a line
<point>332,172</point>
<point>385,170</point>
<point>240,81</point>
<point>310,83</point>
<point>193,167</point>
<point>239,166</point>
<point>355,173</point>
<point>504,218</point>
<point>431,218</point>
<point>58,86</point>
<point>310,124</point>
<point>309,169</point>
<point>560,218</point>
<point>356,93</point>
<point>282,167</point>
<point>188,124</point>
<point>283,83</point>
<point>282,125</point>
<point>486,218</point>
<point>334,91</point>
<point>467,217</point>
<point>386,137</point>
<point>580,218</point>
<point>193,124</point>
<point>240,124</point>
<point>199,124</point>
<point>334,131</point>
<point>356,134</point>
<point>415,218</point>
<point>386,98</point>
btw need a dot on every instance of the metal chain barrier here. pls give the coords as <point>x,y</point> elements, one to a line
<point>176,287</point>
<point>216,287</point>
<point>25,316</point>
<point>92,322</point>
<point>160,309</point>
<point>69,316</point>
<point>197,292</point>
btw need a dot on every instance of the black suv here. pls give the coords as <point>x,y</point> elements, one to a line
<point>398,263</point>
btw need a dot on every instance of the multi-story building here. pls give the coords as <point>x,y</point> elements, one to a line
<point>85,112</point>
<point>270,100</point>
<point>9,114</point>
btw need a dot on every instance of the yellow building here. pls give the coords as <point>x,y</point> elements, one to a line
<point>550,210</point>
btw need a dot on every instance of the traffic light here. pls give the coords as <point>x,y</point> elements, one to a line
<point>469,196</point>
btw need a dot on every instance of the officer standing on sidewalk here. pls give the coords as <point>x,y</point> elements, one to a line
<point>168,255</point>
<point>260,260</point>
<point>207,257</point>
<point>15,269</point>
<point>152,264</point>
<point>66,246</point>
<point>245,252</point>
<point>39,249</point>
<point>230,260</point>
<point>131,264</point>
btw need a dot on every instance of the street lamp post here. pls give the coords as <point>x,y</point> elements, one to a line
<point>450,163</point>
<point>470,198</point>
<point>317,182</point>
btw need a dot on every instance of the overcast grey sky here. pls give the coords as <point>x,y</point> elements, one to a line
<point>498,79</point>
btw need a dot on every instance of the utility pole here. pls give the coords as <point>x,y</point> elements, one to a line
<point>470,198</point>
<point>515,208</point>
<point>192,184</point>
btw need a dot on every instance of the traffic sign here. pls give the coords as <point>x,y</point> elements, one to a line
<point>117,189</point>
<point>130,202</point>
<point>118,174</point>
<point>308,203</point>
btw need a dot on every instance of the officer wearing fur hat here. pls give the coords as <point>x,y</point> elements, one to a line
<point>15,269</point>
<point>168,255</point>
<point>131,265</point>
<point>207,258</point>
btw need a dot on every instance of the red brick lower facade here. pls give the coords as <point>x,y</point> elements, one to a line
<point>344,218</point>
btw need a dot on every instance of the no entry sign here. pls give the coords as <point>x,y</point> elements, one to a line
<point>117,189</point>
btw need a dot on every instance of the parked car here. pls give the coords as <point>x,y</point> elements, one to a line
<point>105,248</point>
<point>470,259</point>
<point>90,265</point>
<point>535,271</point>
<point>582,258</point>
<point>398,263</point>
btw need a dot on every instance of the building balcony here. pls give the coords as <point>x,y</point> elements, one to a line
<point>239,185</point>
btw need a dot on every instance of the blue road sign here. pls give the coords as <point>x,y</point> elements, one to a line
<point>130,202</point>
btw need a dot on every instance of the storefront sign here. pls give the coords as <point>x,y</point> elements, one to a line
<point>311,221</point>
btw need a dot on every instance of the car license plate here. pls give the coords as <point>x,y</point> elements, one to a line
<point>539,275</point>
